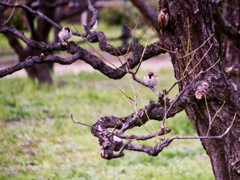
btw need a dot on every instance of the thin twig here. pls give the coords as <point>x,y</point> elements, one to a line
<point>142,138</point>
<point>149,41</point>
<point>178,96</point>
<point>126,95</point>
<point>33,12</point>
<point>11,12</point>
<point>76,122</point>
<point>191,70</point>
<point>212,65</point>
<point>212,120</point>
<point>141,57</point>
<point>198,47</point>
<point>93,19</point>
<point>135,97</point>
<point>209,115</point>
<point>209,137</point>
<point>132,39</point>
<point>165,116</point>
<point>157,34</point>
<point>201,59</point>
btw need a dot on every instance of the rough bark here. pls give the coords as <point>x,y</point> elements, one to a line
<point>191,24</point>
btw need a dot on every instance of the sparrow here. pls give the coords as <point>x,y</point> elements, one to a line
<point>163,18</point>
<point>65,34</point>
<point>151,79</point>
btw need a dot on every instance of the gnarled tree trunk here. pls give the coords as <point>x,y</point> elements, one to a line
<point>190,40</point>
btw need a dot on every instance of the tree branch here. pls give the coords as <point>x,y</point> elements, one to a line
<point>34,44</point>
<point>38,13</point>
<point>89,58</point>
<point>147,12</point>
<point>111,140</point>
<point>38,60</point>
<point>151,50</point>
<point>70,12</point>
<point>88,26</point>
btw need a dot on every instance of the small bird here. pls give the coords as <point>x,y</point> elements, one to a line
<point>151,79</point>
<point>65,34</point>
<point>163,18</point>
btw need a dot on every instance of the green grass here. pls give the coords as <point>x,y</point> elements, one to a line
<point>39,141</point>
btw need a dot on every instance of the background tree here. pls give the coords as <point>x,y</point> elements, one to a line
<point>39,30</point>
<point>205,93</point>
<point>226,16</point>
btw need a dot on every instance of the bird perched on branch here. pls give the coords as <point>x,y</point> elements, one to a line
<point>151,79</point>
<point>65,34</point>
<point>163,18</point>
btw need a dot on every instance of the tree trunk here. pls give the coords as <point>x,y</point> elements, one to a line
<point>189,37</point>
<point>126,34</point>
<point>40,33</point>
<point>232,52</point>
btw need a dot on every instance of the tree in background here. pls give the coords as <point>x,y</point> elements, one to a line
<point>227,19</point>
<point>39,30</point>
<point>205,93</point>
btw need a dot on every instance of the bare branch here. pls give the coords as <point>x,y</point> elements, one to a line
<point>149,51</point>
<point>152,50</point>
<point>187,87</point>
<point>209,137</point>
<point>34,44</point>
<point>88,26</point>
<point>85,55</point>
<point>78,53</point>
<point>177,97</point>
<point>39,59</point>
<point>76,122</point>
<point>152,151</point>
<point>147,12</point>
<point>110,143</point>
<point>211,120</point>
<point>143,138</point>
<point>38,13</point>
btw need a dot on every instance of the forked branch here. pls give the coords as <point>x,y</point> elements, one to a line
<point>112,140</point>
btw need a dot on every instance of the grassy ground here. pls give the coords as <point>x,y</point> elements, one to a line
<point>39,141</point>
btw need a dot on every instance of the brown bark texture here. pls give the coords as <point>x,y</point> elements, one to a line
<point>191,27</point>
